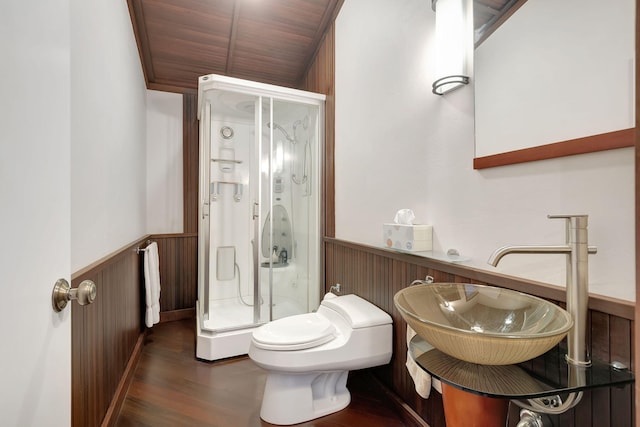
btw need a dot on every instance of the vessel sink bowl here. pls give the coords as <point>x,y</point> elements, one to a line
<point>483,324</point>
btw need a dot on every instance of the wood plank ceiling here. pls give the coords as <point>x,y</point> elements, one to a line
<point>271,41</point>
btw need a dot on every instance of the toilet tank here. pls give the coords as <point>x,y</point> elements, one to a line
<point>359,312</point>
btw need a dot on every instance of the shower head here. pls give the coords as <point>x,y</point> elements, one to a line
<point>274,125</point>
<point>305,122</point>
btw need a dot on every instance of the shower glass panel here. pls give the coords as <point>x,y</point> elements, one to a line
<point>259,230</point>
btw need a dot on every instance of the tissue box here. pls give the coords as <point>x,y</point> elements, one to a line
<point>408,237</point>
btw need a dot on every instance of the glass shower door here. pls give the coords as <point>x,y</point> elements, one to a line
<point>290,207</point>
<point>232,299</point>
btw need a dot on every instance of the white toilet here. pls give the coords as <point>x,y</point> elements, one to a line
<point>309,357</point>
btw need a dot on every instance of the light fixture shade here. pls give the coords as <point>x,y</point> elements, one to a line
<point>454,40</point>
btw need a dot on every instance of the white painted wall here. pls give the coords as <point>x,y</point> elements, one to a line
<point>108,152</point>
<point>383,110</point>
<point>399,146</point>
<point>164,163</point>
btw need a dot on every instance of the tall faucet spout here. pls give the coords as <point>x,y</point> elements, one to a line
<point>497,255</point>
<point>577,251</point>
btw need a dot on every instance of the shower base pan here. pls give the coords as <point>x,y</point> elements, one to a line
<point>227,340</point>
<point>212,345</point>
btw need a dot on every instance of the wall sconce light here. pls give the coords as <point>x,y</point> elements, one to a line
<point>454,37</point>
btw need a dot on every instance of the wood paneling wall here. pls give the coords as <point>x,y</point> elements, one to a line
<point>190,162</point>
<point>178,253</point>
<point>105,333</point>
<point>178,259</point>
<point>377,274</point>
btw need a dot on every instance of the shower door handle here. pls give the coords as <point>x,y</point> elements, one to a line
<point>256,210</point>
<point>204,210</point>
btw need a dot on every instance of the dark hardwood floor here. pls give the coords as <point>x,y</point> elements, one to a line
<point>171,388</point>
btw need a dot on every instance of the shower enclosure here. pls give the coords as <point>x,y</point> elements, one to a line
<point>259,209</point>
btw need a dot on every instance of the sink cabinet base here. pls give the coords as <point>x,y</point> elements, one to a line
<point>462,408</point>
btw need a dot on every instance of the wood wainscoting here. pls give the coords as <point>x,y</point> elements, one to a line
<point>376,274</point>
<point>106,335</point>
<point>178,258</point>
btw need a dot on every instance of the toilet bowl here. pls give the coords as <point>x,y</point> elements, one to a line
<point>308,357</point>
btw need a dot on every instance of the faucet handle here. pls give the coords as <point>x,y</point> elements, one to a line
<point>576,224</point>
<point>573,221</point>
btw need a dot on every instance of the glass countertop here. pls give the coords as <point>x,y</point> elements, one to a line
<point>546,375</point>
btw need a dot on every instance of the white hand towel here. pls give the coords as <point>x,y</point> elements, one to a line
<point>421,378</point>
<point>152,284</point>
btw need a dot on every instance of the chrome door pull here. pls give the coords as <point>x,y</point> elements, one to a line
<point>62,293</point>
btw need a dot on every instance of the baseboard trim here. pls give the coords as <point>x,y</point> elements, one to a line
<point>409,416</point>
<point>185,313</point>
<point>120,394</point>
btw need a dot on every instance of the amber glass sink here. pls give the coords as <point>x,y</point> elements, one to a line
<point>483,324</point>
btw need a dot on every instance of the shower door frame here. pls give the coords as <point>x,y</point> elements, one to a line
<point>261,91</point>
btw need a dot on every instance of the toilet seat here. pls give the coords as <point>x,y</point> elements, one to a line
<point>294,333</point>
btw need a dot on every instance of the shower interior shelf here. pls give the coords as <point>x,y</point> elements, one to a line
<point>238,162</point>
<point>215,189</point>
<point>546,375</point>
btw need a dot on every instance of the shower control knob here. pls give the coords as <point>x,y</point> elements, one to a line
<point>62,293</point>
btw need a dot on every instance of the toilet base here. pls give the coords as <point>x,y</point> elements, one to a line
<point>295,398</point>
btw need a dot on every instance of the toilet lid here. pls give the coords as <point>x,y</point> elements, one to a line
<point>294,333</point>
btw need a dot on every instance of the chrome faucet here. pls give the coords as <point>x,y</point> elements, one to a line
<point>577,250</point>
